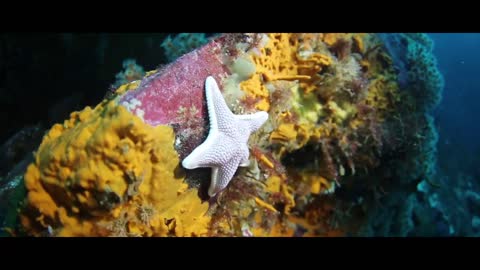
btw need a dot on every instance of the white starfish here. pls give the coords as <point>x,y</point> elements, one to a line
<point>226,145</point>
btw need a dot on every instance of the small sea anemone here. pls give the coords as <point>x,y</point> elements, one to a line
<point>118,226</point>
<point>347,70</point>
<point>145,213</point>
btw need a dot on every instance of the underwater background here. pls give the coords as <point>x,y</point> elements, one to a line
<point>458,61</point>
<point>458,146</point>
<point>45,77</point>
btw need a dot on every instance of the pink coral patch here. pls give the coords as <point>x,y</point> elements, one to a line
<point>179,85</point>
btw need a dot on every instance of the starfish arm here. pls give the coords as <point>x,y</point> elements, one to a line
<point>253,121</point>
<point>202,155</point>
<point>221,118</point>
<point>221,176</point>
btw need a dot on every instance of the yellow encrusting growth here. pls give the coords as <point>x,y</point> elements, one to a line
<point>285,133</point>
<point>325,94</point>
<point>105,172</point>
<point>279,60</point>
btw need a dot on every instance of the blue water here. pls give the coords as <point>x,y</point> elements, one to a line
<point>458,58</point>
<point>458,171</point>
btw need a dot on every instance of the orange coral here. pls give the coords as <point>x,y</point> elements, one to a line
<point>93,172</point>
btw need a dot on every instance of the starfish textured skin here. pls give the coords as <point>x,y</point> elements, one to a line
<point>225,148</point>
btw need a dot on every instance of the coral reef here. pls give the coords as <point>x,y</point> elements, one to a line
<point>411,155</point>
<point>344,148</point>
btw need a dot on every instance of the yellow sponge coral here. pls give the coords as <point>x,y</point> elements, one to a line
<point>106,172</point>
